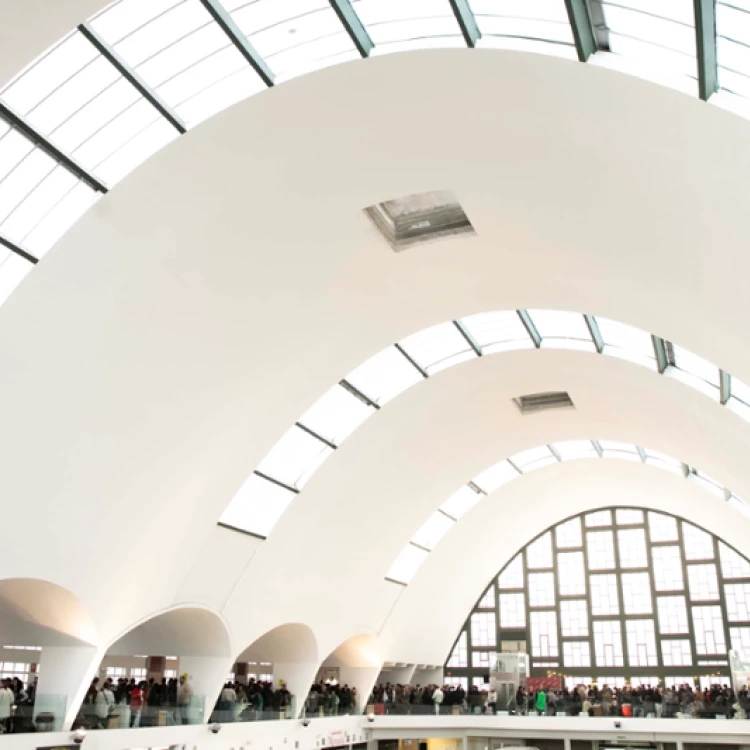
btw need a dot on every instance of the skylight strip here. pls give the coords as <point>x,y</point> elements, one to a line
<point>354,27</point>
<point>469,339</point>
<point>530,327</point>
<point>45,145</point>
<point>133,78</point>
<point>314,434</point>
<point>18,250</point>
<point>276,482</point>
<point>412,361</point>
<point>355,392</point>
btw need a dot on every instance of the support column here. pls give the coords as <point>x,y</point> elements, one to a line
<point>298,677</point>
<point>64,677</point>
<point>207,675</point>
<point>362,678</point>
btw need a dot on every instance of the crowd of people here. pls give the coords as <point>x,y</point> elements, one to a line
<point>128,703</point>
<point>594,700</point>
<point>331,699</point>
<point>16,705</point>
<point>251,702</point>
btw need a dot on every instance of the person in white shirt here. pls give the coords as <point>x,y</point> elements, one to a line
<point>492,700</point>
<point>104,702</point>
<point>6,702</point>
<point>437,699</point>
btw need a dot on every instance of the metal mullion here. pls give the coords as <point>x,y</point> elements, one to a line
<point>18,250</point>
<point>419,546</point>
<point>660,351</point>
<point>725,386</point>
<point>582,27</point>
<point>276,482</point>
<point>314,434</point>
<point>528,324</point>
<point>476,488</point>
<point>598,448</point>
<point>589,607</point>
<point>621,602</point>
<point>353,26</point>
<point>596,335</point>
<point>225,21</point>
<point>556,589</point>
<point>706,52</point>
<point>134,78</point>
<point>466,21</point>
<point>346,385</point>
<point>686,594</point>
<point>19,124</point>
<point>722,594</point>
<point>412,361</point>
<point>447,515</point>
<point>469,338</point>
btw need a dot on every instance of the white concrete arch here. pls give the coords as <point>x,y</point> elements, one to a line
<point>292,648</point>
<point>495,532</point>
<point>441,522</point>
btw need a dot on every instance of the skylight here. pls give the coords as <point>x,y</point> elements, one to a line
<point>294,459</point>
<point>407,563</point>
<point>384,376</point>
<point>562,330</point>
<point>433,530</point>
<point>257,506</point>
<point>437,348</point>
<point>498,331</point>
<point>336,415</point>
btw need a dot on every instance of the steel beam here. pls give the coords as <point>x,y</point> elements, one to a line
<point>705,44</point>
<point>725,386</point>
<point>583,28</point>
<point>107,51</point>
<point>466,21</point>
<point>596,335</point>
<point>468,337</point>
<point>354,27</point>
<point>19,124</point>
<point>18,250</point>
<point>660,350</point>
<point>530,327</point>
<point>221,15</point>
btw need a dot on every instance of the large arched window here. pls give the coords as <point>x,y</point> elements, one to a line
<point>613,595</point>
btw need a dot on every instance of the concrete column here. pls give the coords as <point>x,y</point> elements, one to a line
<point>207,675</point>
<point>363,678</point>
<point>298,677</point>
<point>64,677</point>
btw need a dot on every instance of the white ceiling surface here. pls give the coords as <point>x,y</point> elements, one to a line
<point>202,306</point>
<point>493,533</point>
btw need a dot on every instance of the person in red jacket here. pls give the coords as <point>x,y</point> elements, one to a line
<point>136,705</point>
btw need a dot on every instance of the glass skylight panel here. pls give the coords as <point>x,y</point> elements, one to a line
<point>512,576</point>
<point>658,33</point>
<point>539,552</point>
<point>562,330</point>
<point>574,618</point>
<point>13,270</point>
<point>641,643</point>
<point>740,391</point>
<point>627,342</point>
<point>708,626</point>
<point>694,371</point>
<point>336,415</point>
<point>295,458</point>
<point>480,659</point>
<point>496,476</point>
<point>740,638</point>
<point>498,331</point>
<point>257,506</point>
<point>604,599</point>
<point>631,544</point>
<point>571,449</point>
<point>407,563</point>
<point>461,502</point>
<point>384,376</point>
<point>180,52</point>
<point>608,643</point>
<point>396,25</point>
<point>541,588</point>
<point>733,565</point>
<point>673,618</point>
<point>636,593</point>
<point>628,517</point>
<point>460,655</point>
<point>568,534</point>
<point>663,461</point>
<point>75,97</point>
<point>534,458</point>
<point>437,348</point>
<point>698,544</point>
<point>601,550</point>
<point>738,601</point>
<point>512,611</point>
<point>571,575</point>
<point>433,530</point>
<point>542,24</point>
<point>732,41</point>
<point>293,37</point>
<point>667,567</point>
<point>676,653</point>
<point>702,582</point>
<point>662,528</point>
<point>739,505</point>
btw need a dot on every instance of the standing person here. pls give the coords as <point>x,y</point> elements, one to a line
<point>227,702</point>
<point>104,703</point>
<point>492,700</point>
<point>437,699</point>
<point>184,698</point>
<point>136,704</point>
<point>6,701</point>
<point>541,702</point>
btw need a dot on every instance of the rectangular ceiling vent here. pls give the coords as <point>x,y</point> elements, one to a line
<point>536,402</point>
<point>418,218</point>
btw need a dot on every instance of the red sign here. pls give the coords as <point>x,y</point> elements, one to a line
<point>548,683</point>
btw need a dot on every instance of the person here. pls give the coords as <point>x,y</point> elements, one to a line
<point>6,701</point>
<point>437,698</point>
<point>227,702</point>
<point>104,703</point>
<point>136,704</point>
<point>541,702</point>
<point>184,698</point>
<point>492,700</point>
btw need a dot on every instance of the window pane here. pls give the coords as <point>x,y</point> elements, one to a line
<point>599,518</point>
<point>636,593</point>
<point>702,582</point>
<point>512,611</point>
<point>662,528</point>
<point>539,552</point>
<point>295,458</point>
<point>572,449</point>
<point>732,564</point>
<point>488,599</point>
<point>676,653</point>
<point>498,331</point>
<point>541,590</point>
<point>737,597</point>
<point>673,618</point>
<point>574,617</point>
<point>437,348</point>
<point>626,342</point>
<point>257,506</point>
<point>604,594</point>
<point>460,654</point>
<point>667,568</point>
<point>534,458</point>
<point>512,576</point>
<point>608,643</point>
<point>483,629</point>
<point>562,330</point>
<point>577,654</point>
<point>740,638</point>
<point>461,502</point>
<point>569,534</point>
<point>629,517</point>
<point>407,563</point>
<point>698,544</point>
<point>571,574</point>
<point>433,530</point>
<point>600,549</point>
<point>631,544</point>
<point>709,630</point>
<point>336,415</point>
<point>384,376</point>
<point>496,476</point>
<point>544,633</point>
<point>641,643</point>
